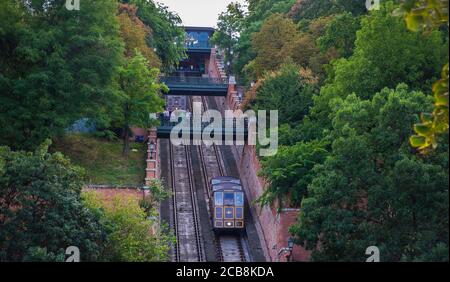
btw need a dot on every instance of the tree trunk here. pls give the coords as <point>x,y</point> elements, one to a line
<point>126,141</point>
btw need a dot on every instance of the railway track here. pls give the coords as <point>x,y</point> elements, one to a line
<point>186,225</point>
<point>230,248</point>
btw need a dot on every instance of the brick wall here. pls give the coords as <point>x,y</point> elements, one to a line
<point>213,69</point>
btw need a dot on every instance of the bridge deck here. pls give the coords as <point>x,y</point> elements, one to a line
<point>196,86</point>
<point>235,132</point>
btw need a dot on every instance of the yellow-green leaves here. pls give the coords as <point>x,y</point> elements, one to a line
<point>437,122</point>
<point>426,15</point>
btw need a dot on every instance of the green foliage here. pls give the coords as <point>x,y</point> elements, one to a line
<point>229,26</point>
<point>166,30</point>
<point>289,173</point>
<point>50,55</point>
<point>345,157</point>
<point>272,44</point>
<point>372,191</point>
<point>340,34</point>
<point>426,15</point>
<point>38,254</point>
<point>133,236</point>
<point>435,124</point>
<point>135,34</point>
<point>139,95</point>
<point>386,54</point>
<point>158,192</point>
<point>286,91</point>
<point>41,209</point>
<point>311,9</point>
<point>258,12</point>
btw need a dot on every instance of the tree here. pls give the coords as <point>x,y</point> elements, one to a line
<point>312,9</point>
<point>136,34</point>
<point>289,91</point>
<point>258,12</point>
<point>168,35</point>
<point>41,212</point>
<point>372,190</point>
<point>290,172</point>
<point>340,34</point>
<point>426,15</point>
<point>56,66</point>
<point>229,26</point>
<point>138,94</point>
<point>132,236</point>
<point>386,54</point>
<point>272,44</point>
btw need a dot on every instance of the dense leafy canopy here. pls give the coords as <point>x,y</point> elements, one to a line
<point>49,55</point>
<point>167,34</point>
<point>228,29</point>
<point>135,35</point>
<point>138,95</point>
<point>288,90</point>
<point>426,15</point>
<point>345,158</point>
<point>41,211</point>
<point>340,34</point>
<point>132,236</point>
<point>372,191</point>
<point>58,66</point>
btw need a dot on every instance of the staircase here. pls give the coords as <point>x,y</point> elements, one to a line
<point>220,64</point>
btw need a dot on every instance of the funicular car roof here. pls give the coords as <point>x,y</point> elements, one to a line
<point>227,187</point>
<point>225,179</point>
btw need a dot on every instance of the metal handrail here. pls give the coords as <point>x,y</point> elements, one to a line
<point>194,81</point>
<point>165,122</point>
<point>198,45</point>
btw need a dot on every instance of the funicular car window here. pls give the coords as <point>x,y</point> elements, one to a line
<point>219,213</point>
<point>228,199</point>
<point>218,198</point>
<point>239,213</point>
<point>239,199</point>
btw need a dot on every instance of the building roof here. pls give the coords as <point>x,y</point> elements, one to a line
<point>199,28</point>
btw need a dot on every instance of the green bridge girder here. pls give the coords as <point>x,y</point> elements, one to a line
<point>165,128</point>
<point>196,86</point>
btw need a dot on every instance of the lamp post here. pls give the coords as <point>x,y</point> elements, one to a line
<point>290,248</point>
<point>287,250</point>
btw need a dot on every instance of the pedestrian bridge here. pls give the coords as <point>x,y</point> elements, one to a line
<point>230,129</point>
<point>196,86</point>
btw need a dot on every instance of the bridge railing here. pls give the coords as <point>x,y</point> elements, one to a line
<point>194,81</point>
<point>200,44</point>
<point>165,122</point>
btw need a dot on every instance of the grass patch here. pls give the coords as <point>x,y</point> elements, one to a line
<point>103,160</point>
